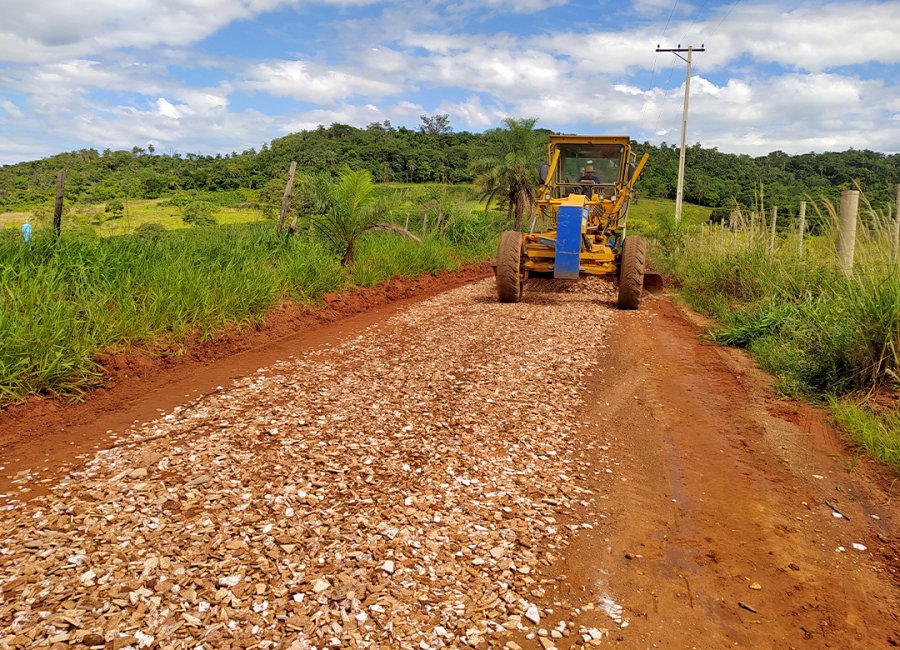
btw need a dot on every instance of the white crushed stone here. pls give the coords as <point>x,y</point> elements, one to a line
<point>266,512</point>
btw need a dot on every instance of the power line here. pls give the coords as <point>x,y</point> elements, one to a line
<point>668,20</point>
<point>684,37</point>
<point>724,18</point>
<point>655,62</point>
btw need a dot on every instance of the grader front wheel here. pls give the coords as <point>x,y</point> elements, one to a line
<point>509,263</point>
<point>631,272</point>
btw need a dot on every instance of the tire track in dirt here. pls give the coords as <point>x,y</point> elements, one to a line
<point>711,532</point>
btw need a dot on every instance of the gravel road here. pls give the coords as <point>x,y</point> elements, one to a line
<point>455,473</point>
<point>401,489</point>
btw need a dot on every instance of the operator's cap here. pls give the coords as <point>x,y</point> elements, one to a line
<point>588,169</point>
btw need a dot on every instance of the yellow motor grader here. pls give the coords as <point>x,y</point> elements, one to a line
<point>586,185</point>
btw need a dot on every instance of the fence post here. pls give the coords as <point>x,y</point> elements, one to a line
<point>896,251</point>
<point>57,209</point>
<point>846,238</point>
<point>286,198</point>
<point>802,228</point>
<point>772,235</point>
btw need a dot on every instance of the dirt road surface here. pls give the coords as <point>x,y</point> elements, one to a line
<point>456,473</point>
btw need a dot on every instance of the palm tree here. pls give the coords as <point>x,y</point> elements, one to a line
<point>348,208</point>
<point>510,172</point>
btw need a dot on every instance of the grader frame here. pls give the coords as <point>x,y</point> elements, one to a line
<point>582,206</point>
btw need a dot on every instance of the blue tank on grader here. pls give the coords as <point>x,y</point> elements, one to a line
<point>579,222</point>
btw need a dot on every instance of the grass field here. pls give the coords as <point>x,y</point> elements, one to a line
<point>66,302</point>
<point>644,213</point>
<point>136,213</point>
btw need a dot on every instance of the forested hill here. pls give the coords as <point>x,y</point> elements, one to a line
<point>713,178</point>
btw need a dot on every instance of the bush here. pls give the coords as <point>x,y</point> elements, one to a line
<point>198,213</point>
<point>150,231</point>
<point>115,208</point>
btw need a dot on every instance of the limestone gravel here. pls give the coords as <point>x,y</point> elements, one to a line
<point>400,489</point>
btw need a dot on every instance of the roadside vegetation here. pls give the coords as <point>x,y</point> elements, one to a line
<point>827,337</point>
<point>69,300</point>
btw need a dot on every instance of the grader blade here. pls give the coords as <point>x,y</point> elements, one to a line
<point>653,283</point>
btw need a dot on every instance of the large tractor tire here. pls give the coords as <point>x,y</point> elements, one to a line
<point>631,272</point>
<point>509,267</point>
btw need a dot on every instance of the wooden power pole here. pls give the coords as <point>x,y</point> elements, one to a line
<point>679,195</point>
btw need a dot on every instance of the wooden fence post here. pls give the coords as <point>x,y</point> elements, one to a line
<point>772,235</point>
<point>846,238</point>
<point>57,209</point>
<point>286,199</point>
<point>802,227</point>
<point>896,251</point>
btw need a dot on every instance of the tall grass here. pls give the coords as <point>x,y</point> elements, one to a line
<point>64,302</point>
<point>822,333</point>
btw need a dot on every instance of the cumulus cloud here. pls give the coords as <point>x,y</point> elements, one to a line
<point>473,115</point>
<point>307,82</point>
<point>793,75</point>
<point>53,29</point>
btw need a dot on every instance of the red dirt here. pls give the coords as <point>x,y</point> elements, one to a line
<point>714,485</point>
<point>45,435</point>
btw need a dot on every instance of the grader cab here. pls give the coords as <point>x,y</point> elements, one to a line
<point>579,222</point>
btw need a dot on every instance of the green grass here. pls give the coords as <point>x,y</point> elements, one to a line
<point>874,431</point>
<point>65,302</point>
<point>136,213</point>
<point>645,214</point>
<point>382,257</point>
<point>822,335</point>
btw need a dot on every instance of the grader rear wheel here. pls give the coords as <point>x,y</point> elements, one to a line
<point>631,272</point>
<point>509,263</point>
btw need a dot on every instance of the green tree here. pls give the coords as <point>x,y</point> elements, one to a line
<point>349,209</point>
<point>509,172</point>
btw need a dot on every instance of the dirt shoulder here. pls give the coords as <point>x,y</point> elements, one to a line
<point>714,523</point>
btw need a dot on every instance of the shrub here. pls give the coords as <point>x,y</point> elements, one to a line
<point>115,208</point>
<point>198,213</point>
<point>150,231</point>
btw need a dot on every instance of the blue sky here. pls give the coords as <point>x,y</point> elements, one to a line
<point>208,76</point>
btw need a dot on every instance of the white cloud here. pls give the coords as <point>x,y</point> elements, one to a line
<point>307,82</point>
<point>472,114</point>
<point>11,109</point>
<point>515,6</point>
<point>774,74</point>
<point>358,116</point>
<point>46,30</point>
<point>167,109</point>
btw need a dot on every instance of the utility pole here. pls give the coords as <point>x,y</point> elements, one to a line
<point>679,196</point>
